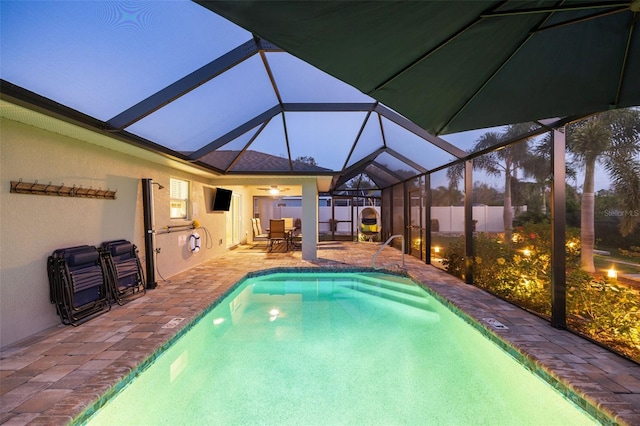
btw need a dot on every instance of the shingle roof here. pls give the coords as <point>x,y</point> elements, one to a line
<point>254,161</point>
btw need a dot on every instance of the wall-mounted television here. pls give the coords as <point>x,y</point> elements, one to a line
<point>221,200</point>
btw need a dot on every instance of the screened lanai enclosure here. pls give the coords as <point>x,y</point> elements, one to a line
<point>469,124</point>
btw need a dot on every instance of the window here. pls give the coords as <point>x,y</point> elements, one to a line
<point>179,198</point>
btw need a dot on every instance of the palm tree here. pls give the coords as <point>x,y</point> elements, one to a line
<point>508,161</point>
<point>611,139</point>
<point>446,196</point>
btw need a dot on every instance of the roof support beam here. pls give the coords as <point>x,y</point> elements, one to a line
<point>335,107</point>
<point>267,115</point>
<point>546,125</point>
<point>568,8</point>
<point>407,161</point>
<point>33,101</point>
<point>582,19</point>
<point>345,178</point>
<point>355,142</point>
<point>558,231</point>
<point>360,165</point>
<point>427,198</point>
<point>414,128</point>
<point>380,175</point>
<point>387,171</point>
<point>357,167</point>
<point>328,107</point>
<point>244,149</point>
<point>238,131</point>
<point>469,254</point>
<point>623,66</point>
<point>286,141</point>
<point>188,83</point>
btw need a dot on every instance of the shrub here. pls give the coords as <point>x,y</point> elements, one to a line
<point>606,312</point>
<point>520,271</point>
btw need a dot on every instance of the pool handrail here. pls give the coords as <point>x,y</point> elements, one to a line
<point>373,260</point>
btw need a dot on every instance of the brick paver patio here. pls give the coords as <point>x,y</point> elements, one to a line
<point>53,376</point>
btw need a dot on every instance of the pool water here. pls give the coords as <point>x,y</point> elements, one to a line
<point>335,349</point>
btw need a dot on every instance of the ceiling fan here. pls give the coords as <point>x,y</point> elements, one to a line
<point>274,189</point>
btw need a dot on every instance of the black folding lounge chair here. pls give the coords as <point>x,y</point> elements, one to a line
<point>56,275</point>
<point>78,284</point>
<point>126,279</point>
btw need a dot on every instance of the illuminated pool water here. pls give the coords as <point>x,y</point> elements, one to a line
<point>335,349</point>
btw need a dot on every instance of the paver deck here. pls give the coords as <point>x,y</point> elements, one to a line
<point>53,376</point>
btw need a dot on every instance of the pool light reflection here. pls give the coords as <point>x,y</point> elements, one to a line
<point>273,314</point>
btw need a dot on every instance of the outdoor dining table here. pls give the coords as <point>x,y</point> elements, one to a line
<point>289,230</point>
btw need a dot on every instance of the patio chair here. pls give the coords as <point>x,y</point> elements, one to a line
<point>288,222</point>
<point>259,225</point>
<point>277,233</point>
<point>126,279</point>
<point>78,284</point>
<point>289,227</point>
<point>296,235</point>
<point>258,235</point>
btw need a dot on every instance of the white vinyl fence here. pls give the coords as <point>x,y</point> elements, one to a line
<point>489,218</point>
<point>450,219</point>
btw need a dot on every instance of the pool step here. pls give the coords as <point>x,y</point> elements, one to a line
<point>398,284</point>
<point>389,287</point>
<point>400,293</point>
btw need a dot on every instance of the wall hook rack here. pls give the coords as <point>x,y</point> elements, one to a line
<point>20,187</point>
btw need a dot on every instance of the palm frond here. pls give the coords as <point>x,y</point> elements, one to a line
<point>487,140</point>
<point>455,174</point>
<point>624,172</point>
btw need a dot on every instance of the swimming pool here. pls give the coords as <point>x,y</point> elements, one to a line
<point>334,348</point>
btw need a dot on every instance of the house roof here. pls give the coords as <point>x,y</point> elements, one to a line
<point>255,161</point>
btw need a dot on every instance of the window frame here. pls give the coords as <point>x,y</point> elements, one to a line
<point>179,188</point>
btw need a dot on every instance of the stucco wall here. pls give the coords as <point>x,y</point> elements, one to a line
<point>33,226</point>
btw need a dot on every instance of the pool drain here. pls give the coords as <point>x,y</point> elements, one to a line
<point>495,323</point>
<point>173,323</point>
